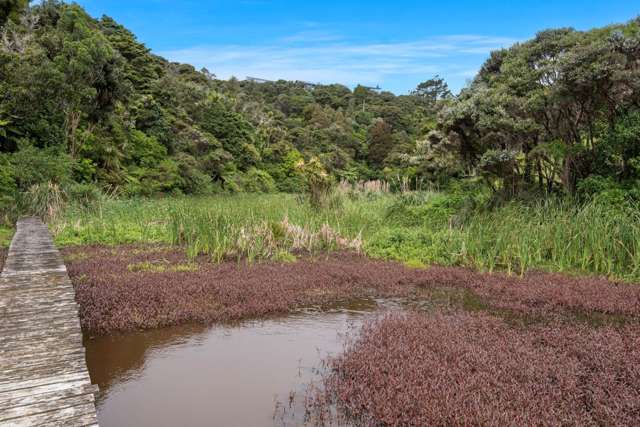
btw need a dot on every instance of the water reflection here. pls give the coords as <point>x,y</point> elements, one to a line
<point>234,375</point>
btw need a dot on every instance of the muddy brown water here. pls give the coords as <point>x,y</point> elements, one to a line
<point>253,373</point>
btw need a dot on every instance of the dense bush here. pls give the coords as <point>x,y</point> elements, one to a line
<point>95,106</point>
<point>257,181</point>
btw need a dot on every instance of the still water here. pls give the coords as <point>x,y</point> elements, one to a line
<point>250,374</point>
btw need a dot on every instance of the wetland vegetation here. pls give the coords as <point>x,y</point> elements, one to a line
<point>500,225</point>
<point>418,228</point>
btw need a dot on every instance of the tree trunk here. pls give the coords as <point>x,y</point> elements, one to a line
<point>568,175</point>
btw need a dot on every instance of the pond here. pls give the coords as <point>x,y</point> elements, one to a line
<point>253,373</point>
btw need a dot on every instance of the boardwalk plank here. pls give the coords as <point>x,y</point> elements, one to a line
<point>55,402</point>
<point>34,399</point>
<point>43,378</point>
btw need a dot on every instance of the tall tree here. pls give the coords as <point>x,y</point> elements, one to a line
<point>432,90</point>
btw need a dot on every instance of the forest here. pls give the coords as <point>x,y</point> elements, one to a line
<point>88,108</point>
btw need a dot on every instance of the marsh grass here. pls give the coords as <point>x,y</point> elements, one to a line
<point>560,236</point>
<point>46,200</point>
<point>553,235</point>
<point>419,230</point>
<point>247,226</point>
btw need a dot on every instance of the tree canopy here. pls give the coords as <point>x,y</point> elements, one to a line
<point>558,112</point>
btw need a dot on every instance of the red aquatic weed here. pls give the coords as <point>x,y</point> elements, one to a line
<point>157,292</point>
<point>474,369</point>
<point>145,287</point>
<point>540,293</point>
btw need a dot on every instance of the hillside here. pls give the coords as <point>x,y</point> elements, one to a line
<point>82,100</point>
<point>86,106</point>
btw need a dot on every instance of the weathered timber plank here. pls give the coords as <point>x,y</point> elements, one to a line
<point>44,369</point>
<point>59,417</point>
<point>24,336</point>
<point>43,373</point>
<point>65,378</point>
<point>46,388</point>
<point>34,399</point>
<point>44,406</point>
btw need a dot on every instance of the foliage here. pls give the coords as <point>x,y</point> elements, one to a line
<point>92,105</point>
<point>32,166</point>
<point>432,90</point>
<point>11,9</point>
<point>424,367</point>
<point>45,200</point>
<point>88,103</point>
<point>551,112</point>
<point>599,236</point>
<point>319,182</point>
<point>5,236</point>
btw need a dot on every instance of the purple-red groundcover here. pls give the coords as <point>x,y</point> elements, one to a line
<point>146,287</point>
<point>545,349</point>
<point>424,369</point>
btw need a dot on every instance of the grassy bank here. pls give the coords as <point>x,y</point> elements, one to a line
<point>553,235</point>
<point>419,229</point>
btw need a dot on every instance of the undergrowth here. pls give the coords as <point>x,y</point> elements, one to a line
<point>5,236</point>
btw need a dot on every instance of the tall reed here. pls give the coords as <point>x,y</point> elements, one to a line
<point>556,235</point>
<point>551,235</point>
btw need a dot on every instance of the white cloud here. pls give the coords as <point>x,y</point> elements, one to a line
<point>312,36</point>
<point>320,56</point>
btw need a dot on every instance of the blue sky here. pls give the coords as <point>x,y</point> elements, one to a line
<point>395,44</point>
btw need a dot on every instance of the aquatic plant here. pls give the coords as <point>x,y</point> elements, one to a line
<point>145,287</point>
<point>124,289</point>
<point>474,369</point>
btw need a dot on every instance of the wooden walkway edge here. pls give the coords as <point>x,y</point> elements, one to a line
<point>43,373</point>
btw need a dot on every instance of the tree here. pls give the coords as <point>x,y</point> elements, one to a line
<point>554,103</point>
<point>432,90</point>
<point>380,143</point>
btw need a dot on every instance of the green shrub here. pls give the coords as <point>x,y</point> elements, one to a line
<point>415,245</point>
<point>291,184</point>
<point>319,183</point>
<point>162,178</point>
<point>34,166</point>
<point>427,209</point>
<point>233,183</point>
<point>257,181</point>
<point>85,195</point>
<point>594,184</point>
<point>7,189</point>
<point>192,179</point>
<point>84,170</point>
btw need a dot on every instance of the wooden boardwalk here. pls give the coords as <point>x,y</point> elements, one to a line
<point>43,374</point>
